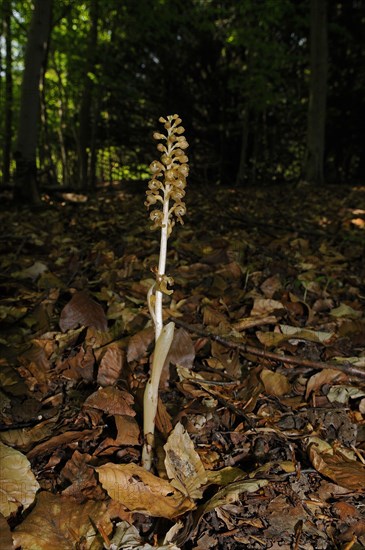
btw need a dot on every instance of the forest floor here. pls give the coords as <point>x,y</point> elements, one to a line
<point>261,421</point>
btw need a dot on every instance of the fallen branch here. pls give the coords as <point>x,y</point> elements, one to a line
<point>351,370</point>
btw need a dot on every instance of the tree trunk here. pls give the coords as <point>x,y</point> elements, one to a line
<point>85,127</point>
<point>8,107</point>
<point>242,169</point>
<point>26,190</point>
<point>314,158</point>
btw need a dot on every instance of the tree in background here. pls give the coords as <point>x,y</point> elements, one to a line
<point>87,122</point>
<point>235,71</point>
<point>8,103</point>
<point>314,159</point>
<point>26,189</point>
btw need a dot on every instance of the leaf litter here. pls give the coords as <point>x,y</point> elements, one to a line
<point>261,431</point>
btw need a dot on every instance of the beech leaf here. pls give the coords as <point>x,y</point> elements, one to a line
<point>59,522</point>
<point>141,491</point>
<point>111,401</point>
<point>183,465</point>
<point>83,310</point>
<point>335,464</point>
<point>18,485</point>
<point>275,383</point>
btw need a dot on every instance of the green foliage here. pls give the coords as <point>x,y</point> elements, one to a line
<point>234,70</point>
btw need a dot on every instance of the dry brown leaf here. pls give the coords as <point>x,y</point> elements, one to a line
<point>79,366</point>
<point>128,430</point>
<point>264,306</point>
<point>24,438</point>
<point>111,401</point>
<point>63,439</point>
<point>18,485</point>
<point>141,491</point>
<point>163,419</point>
<point>231,492</point>
<point>182,350</point>
<point>271,285</point>
<point>326,376</point>
<point>183,465</point>
<point>111,365</point>
<point>58,522</point>
<point>275,383</point>
<point>334,464</point>
<point>138,343</point>
<point>82,477</point>
<point>5,535</point>
<point>83,310</point>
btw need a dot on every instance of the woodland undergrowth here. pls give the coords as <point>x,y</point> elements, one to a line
<point>260,439</point>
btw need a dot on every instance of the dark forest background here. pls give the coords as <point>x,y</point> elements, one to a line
<point>268,90</point>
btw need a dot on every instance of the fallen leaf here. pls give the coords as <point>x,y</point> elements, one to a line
<point>59,522</point>
<point>343,310</point>
<point>5,535</point>
<point>264,306</point>
<point>111,365</point>
<point>183,465</point>
<point>82,310</point>
<point>326,376</point>
<point>335,465</point>
<point>275,383</point>
<point>231,492</point>
<point>111,400</point>
<point>141,491</point>
<point>18,485</point>
<point>31,272</point>
<point>138,344</point>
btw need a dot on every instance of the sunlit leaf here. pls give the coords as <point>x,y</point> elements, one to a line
<point>183,465</point>
<point>275,383</point>
<point>18,485</point>
<point>342,394</point>
<point>343,310</point>
<point>141,491</point>
<point>232,492</point>
<point>60,522</point>
<point>335,464</point>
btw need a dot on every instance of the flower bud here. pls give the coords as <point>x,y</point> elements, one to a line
<point>156,166</point>
<point>184,169</point>
<point>166,160</point>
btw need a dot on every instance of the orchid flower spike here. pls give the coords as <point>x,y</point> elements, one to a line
<point>166,190</point>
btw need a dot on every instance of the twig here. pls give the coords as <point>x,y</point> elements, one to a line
<point>351,370</point>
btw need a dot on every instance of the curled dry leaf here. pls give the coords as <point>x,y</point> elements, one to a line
<point>326,376</point>
<point>335,464</point>
<point>60,522</point>
<point>63,440</point>
<point>231,493</point>
<point>183,465</point>
<point>25,438</point>
<point>18,485</point>
<point>83,310</point>
<point>127,536</point>
<point>141,491</point>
